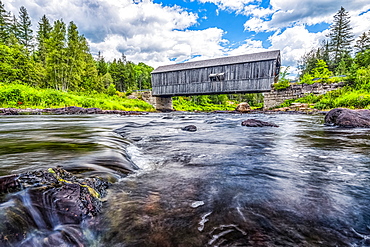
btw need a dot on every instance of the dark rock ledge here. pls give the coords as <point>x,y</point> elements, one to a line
<point>49,208</point>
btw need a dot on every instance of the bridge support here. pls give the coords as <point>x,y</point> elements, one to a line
<point>164,103</point>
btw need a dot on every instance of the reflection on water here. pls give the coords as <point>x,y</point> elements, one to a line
<point>302,184</point>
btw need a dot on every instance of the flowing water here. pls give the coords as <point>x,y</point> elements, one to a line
<point>302,184</point>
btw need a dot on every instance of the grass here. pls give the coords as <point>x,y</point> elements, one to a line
<point>23,96</point>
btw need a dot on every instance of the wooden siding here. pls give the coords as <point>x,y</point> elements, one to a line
<point>257,76</point>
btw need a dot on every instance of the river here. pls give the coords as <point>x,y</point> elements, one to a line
<point>301,184</point>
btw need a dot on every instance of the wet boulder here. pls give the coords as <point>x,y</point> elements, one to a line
<point>50,206</point>
<point>344,117</point>
<point>243,107</point>
<point>190,128</point>
<point>257,123</point>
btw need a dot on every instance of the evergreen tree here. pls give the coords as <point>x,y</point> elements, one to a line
<point>4,24</point>
<point>43,35</point>
<point>14,27</point>
<point>363,42</point>
<point>25,36</point>
<point>340,36</point>
<point>56,56</point>
<point>74,58</point>
<point>102,66</point>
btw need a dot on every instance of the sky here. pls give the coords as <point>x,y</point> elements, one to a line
<point>162,32</point>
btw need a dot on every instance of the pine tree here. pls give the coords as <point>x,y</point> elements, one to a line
<point>4,24</point>
<point>340,36</point>
<point>101,65</point>
<point>14,27</point>
<point>25,36</point>
<point>43,35</point>
<point>74,56</point>
<point>56,56</point>
<point>363,42</point>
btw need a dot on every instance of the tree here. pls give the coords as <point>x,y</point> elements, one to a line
<point>340,36</point>
<point>101,65</point>
<point>144,76</point>
<point>56,56</point>
<point>363,42</point>
<point>321,70</point>
<point>25,36</point>
<point>309,60</point>
<point>4,24</point>
<point>43,35</point>
<point>74,58</point>
<point>14,27</point>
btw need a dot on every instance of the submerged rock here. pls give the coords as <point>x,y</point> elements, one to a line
<point>344,117</point>
<point>51,207</point>
<point>257,123</point>
<point>191,128</point>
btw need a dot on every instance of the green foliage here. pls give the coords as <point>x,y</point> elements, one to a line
<point>203,103</point>
<point>319,74</point>
<point>307,79</point>
<point>283,81</point>
<point>23,96</point>
<point>111,89</point>
<point>321,71</point>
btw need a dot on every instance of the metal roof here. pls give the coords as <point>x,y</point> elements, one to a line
<point>254,57</point>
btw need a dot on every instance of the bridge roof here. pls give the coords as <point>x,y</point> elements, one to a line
<point>254,57</point>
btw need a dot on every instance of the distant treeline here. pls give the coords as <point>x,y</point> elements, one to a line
<point>57,56</point>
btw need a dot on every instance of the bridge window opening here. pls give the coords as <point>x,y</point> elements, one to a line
<point>217,77</point>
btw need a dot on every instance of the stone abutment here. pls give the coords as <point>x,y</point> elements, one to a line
<point>277,97</point>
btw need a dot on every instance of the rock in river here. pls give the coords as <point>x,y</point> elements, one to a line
<point>344,117</point>
<point>191,128</point>
<point>48,208</point>
<point>257,123</point>
<point>243,107</point>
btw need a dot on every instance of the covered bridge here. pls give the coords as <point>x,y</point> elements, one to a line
<point>248,73</point>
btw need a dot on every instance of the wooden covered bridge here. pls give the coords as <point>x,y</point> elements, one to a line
<point>250,73</point>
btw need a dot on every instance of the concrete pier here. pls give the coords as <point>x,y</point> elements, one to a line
<point>164,103</point>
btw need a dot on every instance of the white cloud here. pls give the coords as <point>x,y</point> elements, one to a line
<point>257,25</point>
<point>288,13</point>
<point>144,31</point>
<point>360,23</point>
<point>233,5</point>
<point>249,46</point>
<point>294,42</point>
<point>159,48</point>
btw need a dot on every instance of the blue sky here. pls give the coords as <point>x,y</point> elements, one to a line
<point>160,32</point>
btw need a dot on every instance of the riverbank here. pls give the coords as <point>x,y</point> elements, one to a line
<point>75,110</point>
<point>71,110</point>
<point>18,96</point>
